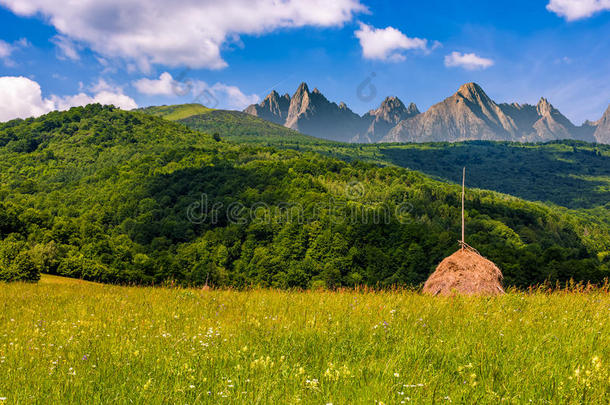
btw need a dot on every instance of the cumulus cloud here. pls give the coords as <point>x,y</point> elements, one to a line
<point>21,97</point>
<point>165,85</point>
<point>387,44</point>
<point>216,95</point>
<point>577,9</point>
<point>102,93</point>
<point>184,33</point>
<point>103,97</point>
<point>468,61</point>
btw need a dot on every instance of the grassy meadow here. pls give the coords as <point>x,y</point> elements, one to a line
<point>68,341</point>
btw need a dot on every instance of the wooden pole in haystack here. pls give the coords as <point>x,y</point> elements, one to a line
<point>465,271</point>
<point>463,241</point>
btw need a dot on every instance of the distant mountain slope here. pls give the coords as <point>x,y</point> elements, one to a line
<point>469,114</point>
<point>227,123</point>
<point>176,112</point>
<point>237,126</point>
<point>570,173</point>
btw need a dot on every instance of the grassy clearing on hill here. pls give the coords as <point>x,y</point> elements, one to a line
<point>174,113</point>
<point>63,341</point>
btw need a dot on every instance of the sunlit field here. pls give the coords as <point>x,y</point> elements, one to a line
<point>66,341</point>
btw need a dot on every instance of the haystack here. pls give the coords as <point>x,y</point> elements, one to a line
<point>465,272</point>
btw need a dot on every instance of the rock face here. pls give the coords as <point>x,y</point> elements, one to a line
<point>383,119</point>
<point>469,114</point>
<point>602,130</point>
<point>273,108</point>
<point>311,113</point>
<point>552,124</point>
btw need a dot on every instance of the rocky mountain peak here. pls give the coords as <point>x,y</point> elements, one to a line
<point>273,108</point>
<point>412,109</point>
<point>471,91</point>
<point>605,118</point>
<point>544,107</point>
<point>602,132</point>
<point>552,125</point>
<point>391,111</point>
<point>303,88</point>
<point>273,95</point>
<point>392,103</point>
<point>301,95</point>
<point>466,115</point>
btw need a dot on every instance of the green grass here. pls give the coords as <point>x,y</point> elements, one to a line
<point>237,126</point>
<point>240,127</point>
<point>65,341</point>
<point>177,112</point>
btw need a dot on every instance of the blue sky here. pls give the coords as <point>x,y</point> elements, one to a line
<point>231,53</point>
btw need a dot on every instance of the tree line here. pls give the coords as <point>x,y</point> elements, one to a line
<point>103,194</point>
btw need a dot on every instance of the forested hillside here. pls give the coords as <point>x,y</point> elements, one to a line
<point>117,196</point>
<point>572,174</point>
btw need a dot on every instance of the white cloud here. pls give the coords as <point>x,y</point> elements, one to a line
<point>577,9</point>
<point>388,43</point>
<point>6,50</point>
<point>216,95</point>
<point>468,61</point>
<point>103,97</point>
<point>181,33</point>
<point>232,96</point>
<point>21,97</point>
<point>103,85</point>
<point>165,85</point>
<point>66,48</point>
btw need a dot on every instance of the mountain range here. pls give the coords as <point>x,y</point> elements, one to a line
<point>469,114</point>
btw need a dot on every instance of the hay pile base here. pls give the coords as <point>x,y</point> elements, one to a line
<point>465,272</point>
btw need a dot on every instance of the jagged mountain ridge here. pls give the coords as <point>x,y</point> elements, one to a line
<point>313,114</point>
<point>273,108</point>
<point>469,114</point>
